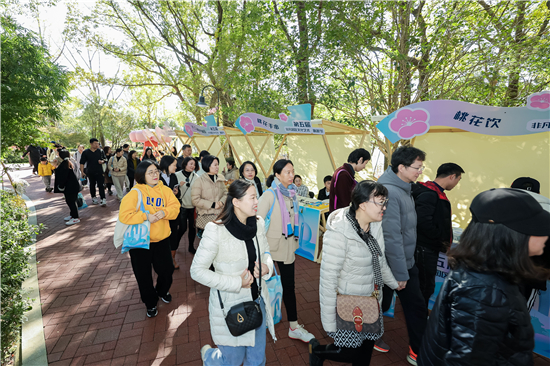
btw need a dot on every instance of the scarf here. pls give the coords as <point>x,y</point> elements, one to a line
<point>373,246</point>
<point>288,229</point>
<point>246,233</point>
<point>253,182</point>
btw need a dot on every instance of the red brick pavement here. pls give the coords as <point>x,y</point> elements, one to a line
<point>93,314</point>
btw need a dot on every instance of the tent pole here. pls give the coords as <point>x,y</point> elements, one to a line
<point>255,154</point>
<point>225,143</point>
<point>277,154</point>
<point>234,150</point>
<point>329,152</point>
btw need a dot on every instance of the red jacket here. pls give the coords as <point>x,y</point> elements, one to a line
<point>341,185</point>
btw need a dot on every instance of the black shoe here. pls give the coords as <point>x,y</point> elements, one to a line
<point>151,313</point>
<point>314,360</point>
<point>110,193</point>
<point>192,251</point>
<point>166,298</point>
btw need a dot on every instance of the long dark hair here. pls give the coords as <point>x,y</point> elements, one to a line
<point>165,163</point>
<point>131,153</point>
<point>147,156</point>
<point>243,165</point>
<point>277,169</point>
<point>187,160</point>
<point>363,192</point>
<point>237,190</point>
<point>495,248</point>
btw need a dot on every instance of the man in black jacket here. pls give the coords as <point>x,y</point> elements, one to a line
<point>434,228</point>
<point>95,157</point>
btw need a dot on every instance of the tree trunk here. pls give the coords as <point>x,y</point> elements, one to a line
<point>513,76</point>
<point>304,84</point>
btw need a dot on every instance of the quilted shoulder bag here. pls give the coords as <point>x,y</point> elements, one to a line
<point>359,313</point>
<point>246,316</point>
<point>202,220</point>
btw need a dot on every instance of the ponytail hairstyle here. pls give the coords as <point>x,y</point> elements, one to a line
<point>65,155</point>
<point>237,190</point>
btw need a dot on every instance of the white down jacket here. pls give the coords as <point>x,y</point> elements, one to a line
<point>230,259</point>
<point>347,266</point>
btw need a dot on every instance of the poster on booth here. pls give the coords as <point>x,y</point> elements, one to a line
<point>208,128</point>
<point>309,232</point>
<point>416,119</point>
<point>298,121</point>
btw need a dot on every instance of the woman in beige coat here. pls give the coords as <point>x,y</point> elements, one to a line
<point>282,235</point>
<point>208,193</point>
<point>118,165</point>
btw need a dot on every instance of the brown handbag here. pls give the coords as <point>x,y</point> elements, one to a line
<point>202,220</point>
<point>359,313</point>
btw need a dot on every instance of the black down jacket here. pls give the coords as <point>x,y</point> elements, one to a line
<point>479,319</point>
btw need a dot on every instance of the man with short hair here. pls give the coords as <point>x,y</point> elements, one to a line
<point>95,158</point>
<point>126,150</point>
<point>186,151</point>
<point>399,225</point>
<point>324,194</point>
<point>343,180</point>
<point>202,154</point>
<point>434,232</point>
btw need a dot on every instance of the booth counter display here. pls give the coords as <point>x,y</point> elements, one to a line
<point>312,224</point>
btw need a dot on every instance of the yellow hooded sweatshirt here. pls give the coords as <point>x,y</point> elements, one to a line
<point>159,198</point>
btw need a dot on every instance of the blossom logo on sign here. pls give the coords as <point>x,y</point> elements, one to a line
<point>246,124</point>
<point>409,123</point>
<point>189,131</point>
<point>539,101</point>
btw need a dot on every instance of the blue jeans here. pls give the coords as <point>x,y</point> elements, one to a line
<point>233,356</point>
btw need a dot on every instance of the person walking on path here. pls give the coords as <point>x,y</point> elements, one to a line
<point>66,182</point>
<point>94,158</point>
<point>186,178</point>
<point>107,175</point>
<point>249,172</point>
<point>161,206</point>
<point>168,177</point>
<point>399,224</point>
<point>125,150</point>
<point>208,193</point>
<point>353,264</point>
<point>235,244</point>
<point>434,224</point>
<point>283,236</point>
<point>118,167</point>
<point>343,180</point>
<point>34,156</point>
<point>132,163</point>
<point>45,170</point>
<point>480,317</point>
<point>77,156</point>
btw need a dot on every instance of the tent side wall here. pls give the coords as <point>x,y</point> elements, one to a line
<point>312,161</point>
<point>489,162</point>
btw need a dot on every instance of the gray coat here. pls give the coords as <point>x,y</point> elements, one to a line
<point>399,225</point>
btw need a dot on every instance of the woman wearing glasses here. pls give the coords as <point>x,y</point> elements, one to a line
<point>353,264</point>
<point>160,206</point>
<point>186,178</point>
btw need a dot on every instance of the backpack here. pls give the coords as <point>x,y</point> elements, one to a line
<point>267,218</point>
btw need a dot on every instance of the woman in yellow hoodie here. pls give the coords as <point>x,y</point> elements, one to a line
<point>161,206</point>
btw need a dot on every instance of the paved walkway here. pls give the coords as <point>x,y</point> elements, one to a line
<point>93,315</point>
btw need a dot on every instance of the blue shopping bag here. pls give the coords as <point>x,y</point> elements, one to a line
<point>275,288</point>
<point>81,202</point>
<point>137,236</point>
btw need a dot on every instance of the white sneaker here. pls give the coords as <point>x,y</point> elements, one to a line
<point>300,333</point>
<point>204,348</point>
<point>95,201</point>
<point>67,218</point>
<point>72,222</point>
<point>104,202</point>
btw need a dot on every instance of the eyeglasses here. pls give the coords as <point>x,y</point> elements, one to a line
<point>421,169</point>
<point>381,204</point>
<point>153,172</point>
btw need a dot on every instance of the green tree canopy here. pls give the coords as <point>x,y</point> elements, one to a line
<point>32,86</point>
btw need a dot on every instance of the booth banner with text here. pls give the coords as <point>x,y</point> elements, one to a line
<point>299,121</point>
<point>208,128</point>
<point>416,119</point>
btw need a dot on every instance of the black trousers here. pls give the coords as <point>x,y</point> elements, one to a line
<point>174,234</point>
<point>426,262</point>
<point>187,223</point>
<point>286,271</point>
<point>414,308</point>
<point>131,179</point>
<point>158,255</point>
<point>98,179</point>
<point>35,164</point>
<point>70,199</point>
<point>359,356</point>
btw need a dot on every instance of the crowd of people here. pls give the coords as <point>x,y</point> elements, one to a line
<point>382,237</point>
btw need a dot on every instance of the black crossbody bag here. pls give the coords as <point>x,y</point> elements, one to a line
<point>246,316</point>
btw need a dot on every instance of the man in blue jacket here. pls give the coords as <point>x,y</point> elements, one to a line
<point>399,225</point>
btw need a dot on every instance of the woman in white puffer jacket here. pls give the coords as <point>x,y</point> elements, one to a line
<point>353,263</point>
<point>231,245</point>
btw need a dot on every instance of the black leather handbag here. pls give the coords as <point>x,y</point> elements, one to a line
<point>246,316</point>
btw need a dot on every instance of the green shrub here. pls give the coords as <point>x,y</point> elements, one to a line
<point>16,236</point>
<point>14,157</point>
